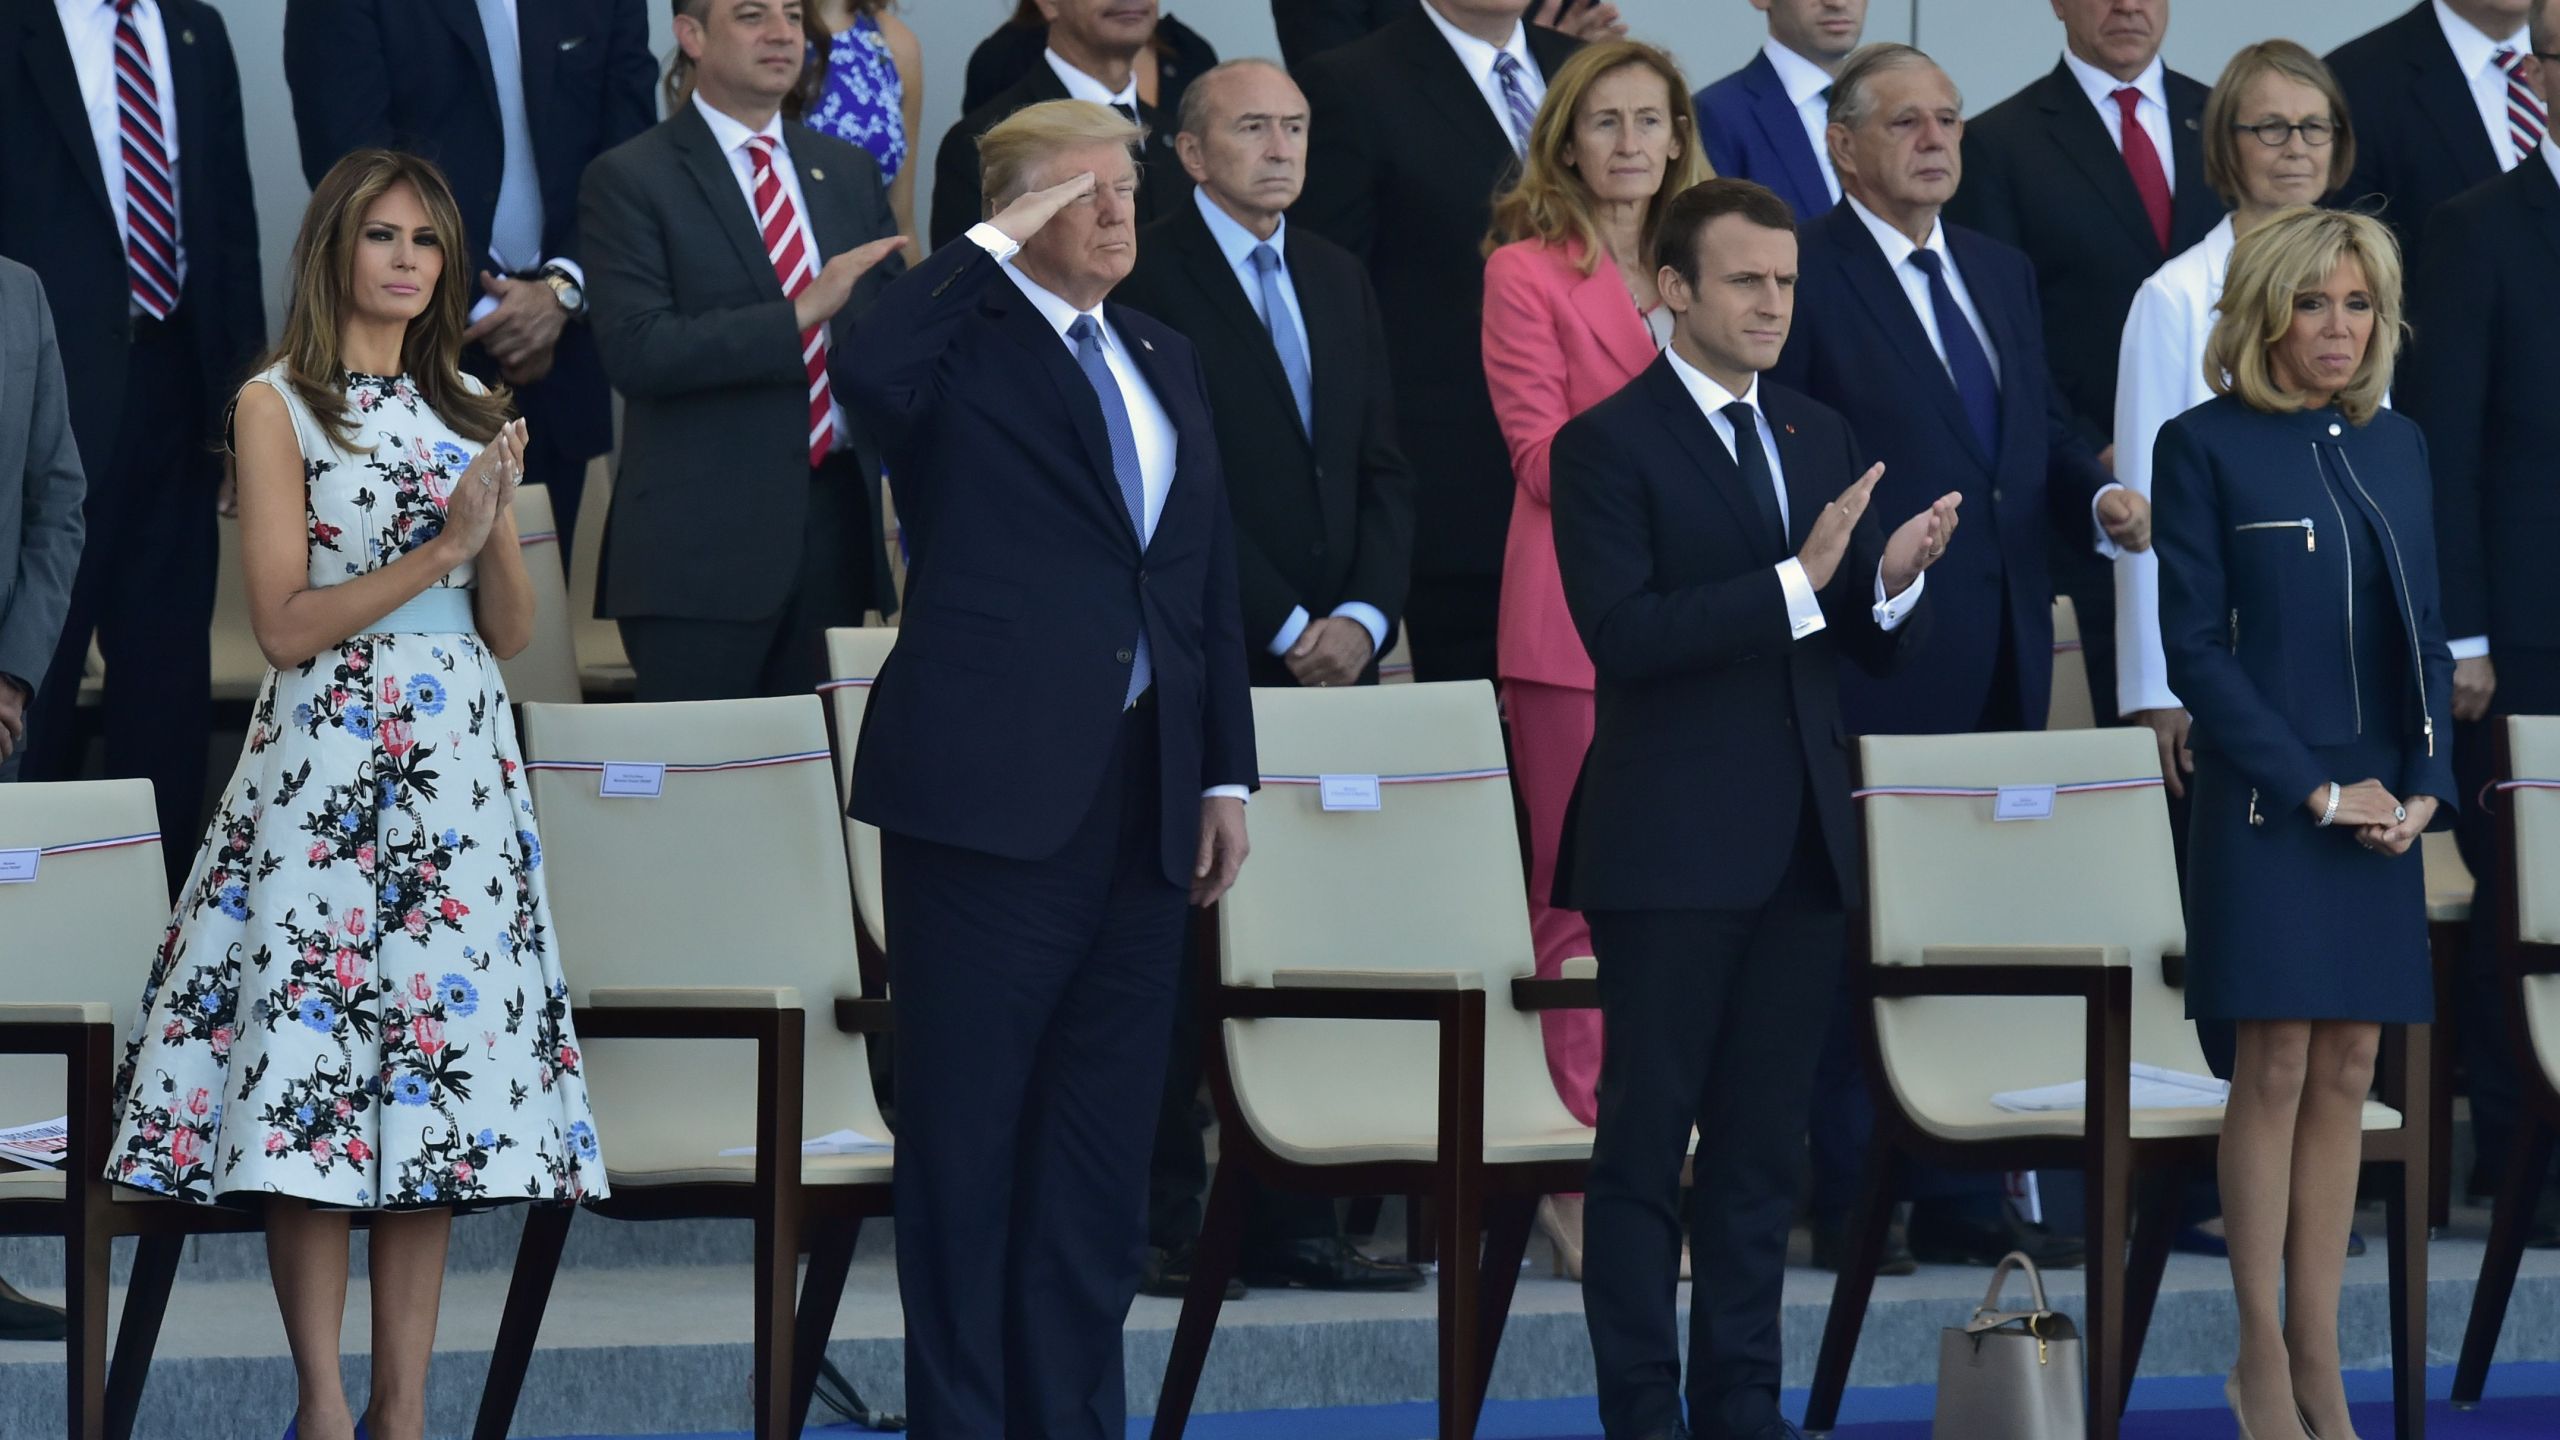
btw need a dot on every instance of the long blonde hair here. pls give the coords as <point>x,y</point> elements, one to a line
<point>324,274</point>
<point>1552,202</point>
<point>2289,256</point>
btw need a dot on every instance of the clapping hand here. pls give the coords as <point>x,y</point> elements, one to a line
<point>484,492</point>
<point>2126,517</point>
<point>1829,538</point>
<point>1919,543</point>
<point>1330,651</point>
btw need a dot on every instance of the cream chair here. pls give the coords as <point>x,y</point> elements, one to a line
<point>713,914</point>
<point>603,668</point>
<point>854,658</point>
<point>76,946</point>
<point>2528,815</point>
<point>2001,956</point>
<point>2072,708</point>
<point>239,666</point>
<point>1368,1037</point>
<point>545,672</point>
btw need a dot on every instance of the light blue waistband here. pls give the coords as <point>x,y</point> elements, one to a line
<point>444,610</point>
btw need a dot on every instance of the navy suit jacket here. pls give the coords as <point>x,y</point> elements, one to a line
<point>56,219</point>
<point>1751,132</point>
<point>2419,141</point>
<point>993,718</point>
<point>414,75</point>
<point>1858,347</point>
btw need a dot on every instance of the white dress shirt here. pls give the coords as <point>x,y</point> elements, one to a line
<point>732,136</point>
<point>2473,54</point>
<point>1479,58</point>
<point>1081,86</point>
<point>90,27</point>
<point>1237,244</point>
<point>1804,609</point>
<point>1807,89</point>
<point>2152,110</point>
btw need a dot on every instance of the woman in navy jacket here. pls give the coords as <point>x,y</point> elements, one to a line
<point>2299,614</point>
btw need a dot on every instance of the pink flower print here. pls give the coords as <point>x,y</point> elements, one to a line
<point>415,922</point>
<point>397,739</point>
<point>355,921</point>
<point>358,1151</point>
<point>293,990</point>
<point>421,988</point>
<point>185,1147</point>
<point>311,953</point>
<point>222,1041</point>
<point>428,1031</point>
<point>337,695</point>
<point>319,853</point>
<point>364,857</point>
<point>321,1149</point>
<point>343,1108</point>
<point>200,1104</point>
<point>568,1057</point>
<point>240,842</point>
<point>275,1143</point>
<point>427,871</point>
<point>350,973</point>
<point>175,1033</point>
<point>355,660</point>
<point>152,1131</point>
<point>452,909</point>
<point>462,1171</point>
<point>390,689</point>
<point>489,1038</point>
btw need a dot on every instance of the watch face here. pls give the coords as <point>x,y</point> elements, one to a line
<point>568,291</point>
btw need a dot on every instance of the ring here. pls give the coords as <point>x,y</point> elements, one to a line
<point>2399,812</point>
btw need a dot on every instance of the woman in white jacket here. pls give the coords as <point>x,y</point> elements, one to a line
<point>2275,135</point>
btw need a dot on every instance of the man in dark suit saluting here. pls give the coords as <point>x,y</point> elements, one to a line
<point>1057,753</point>
<point>512,99</point>
<point>1712,533</point>
<point>728,252</point>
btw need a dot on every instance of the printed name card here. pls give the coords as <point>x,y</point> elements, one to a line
<point>18,867</point>
<point>625,779</point>
<point>2023,802</point>
<point>1348,792</point>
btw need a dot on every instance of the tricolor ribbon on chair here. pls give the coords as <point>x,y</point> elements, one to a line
<point>1426,777</point>
<point>2519,783</point>
<point>112,842</point>
<point>1986,792</point>
<point>539,537</point>
<point>761,762</point>
<point>19,866</point>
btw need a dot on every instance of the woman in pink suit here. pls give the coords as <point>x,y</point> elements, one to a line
<point>1570,315</point>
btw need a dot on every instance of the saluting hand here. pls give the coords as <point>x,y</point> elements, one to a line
<point>1598,20</point>
<point>1022,217</point>
<point>826,295</point>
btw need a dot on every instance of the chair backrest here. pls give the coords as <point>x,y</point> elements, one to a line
<point>90,926</point>
<point>545,671</point>
<point>2072,708</point>
<point>239,666</point>
<point>1942,872</point>
<point>854,658</point>
<point>599,641</point>
<point>1429,881</point>
<point>733,875</point>
<point>2533,747</point>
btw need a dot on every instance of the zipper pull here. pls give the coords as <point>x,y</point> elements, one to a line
<point>2310,536</point>
<point>2254,817</point>
<point>2235,629</point>
<point>2431,736</point>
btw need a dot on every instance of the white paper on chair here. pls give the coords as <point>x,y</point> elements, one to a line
<point>835,1142</point>
<point>40,1144</point>
<point>2154,1088</point>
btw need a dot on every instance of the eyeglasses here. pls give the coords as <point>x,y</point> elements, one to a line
<point>2274,133</point>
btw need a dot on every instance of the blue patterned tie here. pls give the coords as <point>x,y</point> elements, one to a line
<point>1124,468</point>
<point>1515,96</point>
<point>1976,387</point>
<point>515,230</point>
<point>1284,336</point>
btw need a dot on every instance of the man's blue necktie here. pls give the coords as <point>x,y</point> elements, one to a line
<point>1284,336</point>
<point>1967,364</point>
<point>1515,99</point>
<point>515,231</point>
<point>1124,468</point>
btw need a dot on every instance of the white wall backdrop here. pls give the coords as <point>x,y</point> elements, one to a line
<point>1991,47</point>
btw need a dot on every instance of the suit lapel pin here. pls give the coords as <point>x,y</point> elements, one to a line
<point>186,37</point>
<point>2192,123</point>
<point>1146,344</point>
<point>817,174</point>
<point>1791,429</point>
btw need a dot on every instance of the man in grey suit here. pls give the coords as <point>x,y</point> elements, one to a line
<point>728,252</point>
<point>40,528</point>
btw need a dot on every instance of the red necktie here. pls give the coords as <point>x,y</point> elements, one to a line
<point>796,268</point>
<point>2525,119</point>
<point>2149,180</point>
<point>150,201</point>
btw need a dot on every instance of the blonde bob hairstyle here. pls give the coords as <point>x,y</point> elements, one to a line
<point>1552,202</point>
<point>2290,256</point>
<point>2222,117</point>
<point>1021,140</point>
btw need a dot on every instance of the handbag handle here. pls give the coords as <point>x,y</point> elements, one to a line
<point>1989,1315</point>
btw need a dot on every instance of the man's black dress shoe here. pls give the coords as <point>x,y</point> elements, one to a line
<point>25,1319</point>
<point>1831,1249</point>
<point>1937,1240</point>
<point>1168,1273</point>
<point>1329,1264</point>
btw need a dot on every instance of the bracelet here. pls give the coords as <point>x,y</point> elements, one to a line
<point>2329,816</point>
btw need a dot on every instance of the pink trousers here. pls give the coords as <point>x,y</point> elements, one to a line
<point>1550,731</point>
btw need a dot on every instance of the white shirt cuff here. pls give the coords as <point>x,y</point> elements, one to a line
<point>1891,612</point>
<point>2469,647</point>
<point>1227,792</point>
<point>1290,630</point>
<point>2108,549</point>
<point>992,240</point>
<point>1371,618</point>
<point>1804,608</point>
<point>577,272</point>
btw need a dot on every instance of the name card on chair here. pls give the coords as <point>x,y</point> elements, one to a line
<point>1348,792</point>
<point>18,867</point>
<point>632,780</point>
<point>2023,802</point>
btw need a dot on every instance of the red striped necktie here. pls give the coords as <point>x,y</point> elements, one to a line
<point>787,246</point>
<point>2526,123</point>
<point>150,199</point>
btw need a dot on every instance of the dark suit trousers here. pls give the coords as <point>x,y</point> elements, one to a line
<point>1034,998</point>
<point>145,585</point>
<point>1451,620</point>
<point>786,654</point>
<point>1701,1012</point>
<point>2528,684</point>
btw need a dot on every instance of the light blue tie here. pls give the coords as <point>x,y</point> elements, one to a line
<point>1124,468</point>
<point>1515,98</point>
<point>1284,336</point>
<point>515,231</point>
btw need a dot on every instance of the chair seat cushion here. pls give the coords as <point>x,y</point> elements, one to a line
<point>1989,1122</point>
<point>1351,1144</point>
<point>638,1166</point>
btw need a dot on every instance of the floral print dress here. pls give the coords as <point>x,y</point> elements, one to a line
<point>357,1001</point>
<point>862,99</point>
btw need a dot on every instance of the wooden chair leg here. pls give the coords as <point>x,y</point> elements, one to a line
<point>146,1302</point>
<point>1213,1263</point>
<point>1419,1246</point>
<point>777,1291</point>
<point>1849,1294</point>
<point>1461,1232</point>
<point>2155,1225</point>
<point>86,1250</point>
<point>2446,943</point>
<point>2406,1217</point>
<point>2103,1327</point>
<point>831,1244</point>
<point>546,1231</point>
<point>2528,1161</point>
<point>1508,1220</point>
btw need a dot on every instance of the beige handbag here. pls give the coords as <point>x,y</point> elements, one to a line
<point>2011,1374</point>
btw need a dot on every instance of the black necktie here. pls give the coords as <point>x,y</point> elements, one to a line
<point>1127,112</point>
<point>1756,477</point>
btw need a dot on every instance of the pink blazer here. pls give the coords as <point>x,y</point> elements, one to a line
<point>1556,343</point>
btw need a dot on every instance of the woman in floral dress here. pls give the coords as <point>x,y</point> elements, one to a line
<point>866,88</point>
<point>357,1005</point>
